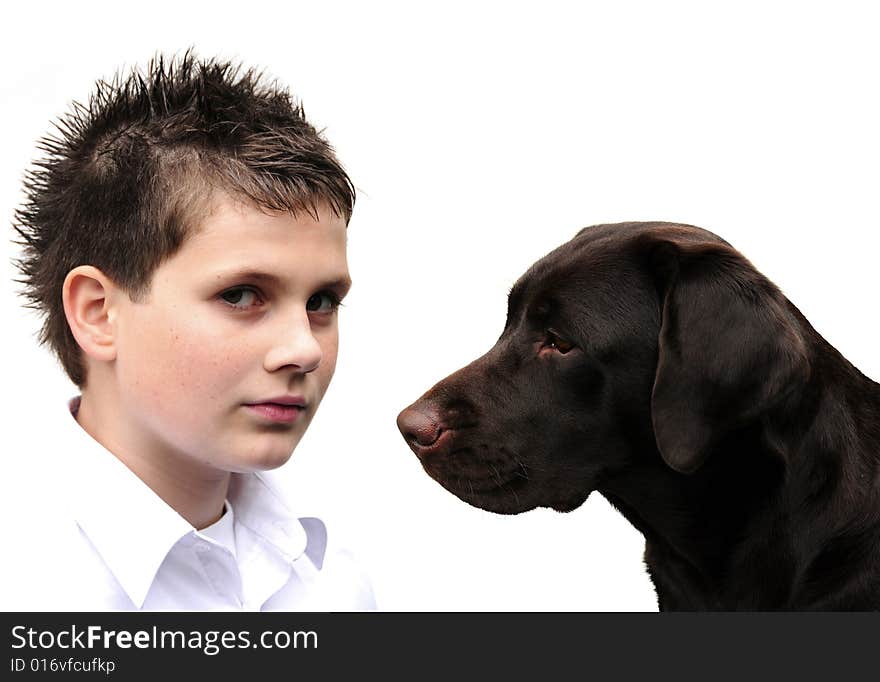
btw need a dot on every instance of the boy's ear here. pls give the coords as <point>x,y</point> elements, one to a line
<point>87,296</point>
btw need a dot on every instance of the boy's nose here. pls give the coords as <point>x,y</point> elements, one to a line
<point>296,346</point>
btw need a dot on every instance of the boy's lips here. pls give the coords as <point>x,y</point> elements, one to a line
<point>280,409</point>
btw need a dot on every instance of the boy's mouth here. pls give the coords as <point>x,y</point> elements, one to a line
<point>281,409</point>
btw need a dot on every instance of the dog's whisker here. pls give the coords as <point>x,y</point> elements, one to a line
<point>520,471</point>
<point>515,496</point>
<point>525,468</point>
<point>497,475</point>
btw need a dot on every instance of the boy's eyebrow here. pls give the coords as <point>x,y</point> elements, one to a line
<point>342,283</point>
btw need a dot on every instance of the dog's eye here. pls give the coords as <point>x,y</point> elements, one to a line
<point>559,345</point>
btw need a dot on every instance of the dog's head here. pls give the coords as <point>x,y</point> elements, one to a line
<point>629,341</point>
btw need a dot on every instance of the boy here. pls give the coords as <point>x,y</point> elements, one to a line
<point>185,240</point>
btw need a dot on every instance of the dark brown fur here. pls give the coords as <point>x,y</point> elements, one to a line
<point>653,363</point>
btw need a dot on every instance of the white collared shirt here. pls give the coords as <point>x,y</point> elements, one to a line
<point>116,545</point>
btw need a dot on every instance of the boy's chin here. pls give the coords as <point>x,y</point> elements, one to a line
<point>266,461</point>
<point>257,461</point>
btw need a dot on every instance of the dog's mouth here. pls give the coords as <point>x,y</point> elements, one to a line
<point>476,476</point>
<point>497,484</point>
<point>483,474</point>
<point>487,475</point>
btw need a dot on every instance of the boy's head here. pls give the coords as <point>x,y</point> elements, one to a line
<point>186,242</point>
<point>129,177</point>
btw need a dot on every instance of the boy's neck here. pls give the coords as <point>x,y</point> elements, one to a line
<point>195,491</point>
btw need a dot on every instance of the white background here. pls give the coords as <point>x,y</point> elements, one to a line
<point>480,136</point>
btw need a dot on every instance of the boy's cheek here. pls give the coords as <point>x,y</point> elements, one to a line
<point>166,369</point>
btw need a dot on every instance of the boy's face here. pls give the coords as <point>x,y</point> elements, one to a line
<point>227,358</point>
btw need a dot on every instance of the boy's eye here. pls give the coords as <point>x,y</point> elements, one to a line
<point>325,302</point>
<point>240,297</point>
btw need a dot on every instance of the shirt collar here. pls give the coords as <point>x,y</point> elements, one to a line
<point>262,509</point>
<point>133,529</point>
<point>222,531</point>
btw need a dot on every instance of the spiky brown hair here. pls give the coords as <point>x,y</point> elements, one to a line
<point>126,177</point>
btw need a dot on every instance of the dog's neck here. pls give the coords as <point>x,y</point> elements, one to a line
<point>717,529</point>
<point>693,524</point>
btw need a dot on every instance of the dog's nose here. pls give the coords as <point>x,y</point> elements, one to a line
<point>420,425</point>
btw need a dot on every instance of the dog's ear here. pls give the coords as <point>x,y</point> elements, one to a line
<point>729,347</point>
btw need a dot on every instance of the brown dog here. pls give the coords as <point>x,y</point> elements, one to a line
<point>653,363</point>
